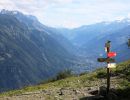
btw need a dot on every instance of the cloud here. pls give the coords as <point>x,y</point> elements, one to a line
<point>90,12</point>
<point>33,6</point>
<point>7,4</point>
<point>70,13</point>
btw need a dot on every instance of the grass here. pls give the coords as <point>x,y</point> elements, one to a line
<point>73,82</point>
<point>122,80</point>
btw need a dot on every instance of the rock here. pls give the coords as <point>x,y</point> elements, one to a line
<point>61,92</point>
<point>102,90</point>
<point>7,98</point>
<point>44,91</point>
<point>56,97</point>
<point>84,94</point>
<point>76,91</point>
<point>89,88</point>
<point>78,81</point>
<point>93,92</point>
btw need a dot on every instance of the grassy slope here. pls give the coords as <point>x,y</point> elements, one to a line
<point>120,80</point>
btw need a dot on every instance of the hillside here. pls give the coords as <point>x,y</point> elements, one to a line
<point>28,54</point>
<point>83,87</point>
<point>89,37</point>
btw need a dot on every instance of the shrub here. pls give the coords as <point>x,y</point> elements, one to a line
<point>101,74</point>
<point>64,74</point>
<point>83,73</point>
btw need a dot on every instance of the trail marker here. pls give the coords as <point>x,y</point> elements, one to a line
<point>111,54</point>
<point>110,62</point>
<point>111,65</point>
<point>106,60</point>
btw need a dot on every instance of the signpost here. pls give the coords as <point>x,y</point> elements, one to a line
<point>106,60</point>
<point>107,46</point>
<point>111,65</point>
<point>110,62</point>
<point>111,54</point>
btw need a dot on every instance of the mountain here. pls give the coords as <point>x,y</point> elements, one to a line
<point>90,39</point>
<point>118,39</point>
<point>63,40</point>
<point>29,52</point>
<point>32,23</point>
<point>89,32</point>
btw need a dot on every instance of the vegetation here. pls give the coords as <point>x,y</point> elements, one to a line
<point>63,74</point>
<point>120,80</point>
<point>101,73</point>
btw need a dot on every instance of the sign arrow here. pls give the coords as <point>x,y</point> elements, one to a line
<point>111,54</point>
<point>111,65</point>
<point>106,60</point>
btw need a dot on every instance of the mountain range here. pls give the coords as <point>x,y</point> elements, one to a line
<point>90,39</point>
<point>31,52</point>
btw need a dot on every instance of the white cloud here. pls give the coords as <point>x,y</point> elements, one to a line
<point>71,13</point>
<point>7,4</point>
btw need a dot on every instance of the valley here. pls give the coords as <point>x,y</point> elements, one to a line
<point>31,52</point>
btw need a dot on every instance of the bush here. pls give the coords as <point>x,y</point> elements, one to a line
<point>101,74</point>
<point>61,75</point>
<point>83,73</point>
<point>64,74</point>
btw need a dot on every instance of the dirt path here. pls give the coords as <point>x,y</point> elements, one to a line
<point>55,94</point>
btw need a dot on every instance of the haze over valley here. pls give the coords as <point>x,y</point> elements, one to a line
<point>31,52</point>
<point>64,49</point>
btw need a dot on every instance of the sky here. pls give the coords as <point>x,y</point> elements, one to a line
<point>70,13</point>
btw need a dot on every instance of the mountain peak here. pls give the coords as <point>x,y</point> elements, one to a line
<point>15,12</point>
<point>125,20</point>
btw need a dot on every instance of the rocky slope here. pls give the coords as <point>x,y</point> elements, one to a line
<point>83,87</point>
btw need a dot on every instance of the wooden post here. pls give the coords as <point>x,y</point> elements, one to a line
<point>107,46</point>
<point>108,80</point>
